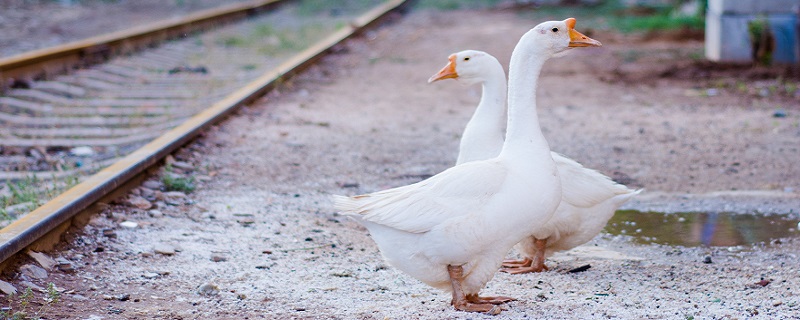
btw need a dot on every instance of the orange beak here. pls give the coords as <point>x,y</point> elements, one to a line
<point>448,72</point>
<point>577,39</point>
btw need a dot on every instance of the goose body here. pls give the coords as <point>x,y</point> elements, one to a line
<point>588,198</point>
<point>452,230</point>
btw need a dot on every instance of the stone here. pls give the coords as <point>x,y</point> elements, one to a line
<point>128,224</point>
<point>155,213</point>
<point>165,249</point>
<point>174,195</point>
<point>208,289</point>
<point>33,286</point>
<point>218,258</point>
<point>64,265</point>
<point>42,259</point>
<point>140,202</point>
<point>20,208</point>
<point>183,165</point>
<point>7,288</point>
<point>33,271</point>
<point>83,151</point>
<point>152,184</point>
<point>150,275</point>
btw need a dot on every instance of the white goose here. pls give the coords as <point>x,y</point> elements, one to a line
<point>451,231</point>
<point>589,198</point>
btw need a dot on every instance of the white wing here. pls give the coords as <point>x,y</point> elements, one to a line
<point>583,187</point>
<point>416,208</point>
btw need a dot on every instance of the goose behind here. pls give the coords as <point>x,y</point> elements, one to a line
<point>589,198</point>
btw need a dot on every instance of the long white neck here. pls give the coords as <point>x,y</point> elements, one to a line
<point>483,136</point>
<point>523,133</point>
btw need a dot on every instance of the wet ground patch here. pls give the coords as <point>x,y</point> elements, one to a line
<point>702,228</point>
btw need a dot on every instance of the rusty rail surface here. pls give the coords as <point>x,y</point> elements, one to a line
<point>52,218</point>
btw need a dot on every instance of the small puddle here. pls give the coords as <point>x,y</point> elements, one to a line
<point>701,229</point>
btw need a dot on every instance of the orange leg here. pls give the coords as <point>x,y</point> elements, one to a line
<point>511,263</point>
<point>471,303</point>
<point>474,298</point>
<point>535,265</point>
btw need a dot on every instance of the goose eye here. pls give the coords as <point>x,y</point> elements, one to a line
<point>555,29</point>
<point>466,58</point>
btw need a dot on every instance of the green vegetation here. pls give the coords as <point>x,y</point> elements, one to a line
<point>272,41</point>
<point>606,14</point>
<point>658,21</point>
<point>23,301</point>
<point>174,182</point>
<point>234,41</point>
<point>33,192</point>
<point>458,4</point>
<point>760,38</point>
<point>315,7</point>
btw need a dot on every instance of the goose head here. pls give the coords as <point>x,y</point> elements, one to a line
<point>469,66</point>
<point>553,37</point>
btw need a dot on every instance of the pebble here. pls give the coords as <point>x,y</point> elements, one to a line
<point>128,224</point>
<point>33,271</point>
<point>174,195</point>
<point>109,233</point>
<point>208,289</point>
<point>150,275</point>
<point>33,286</point>
<point>707,260</point>
<point>780,113</point>
<point>19,208</point>
<point>218,258</point>
<point>140,202</point>
<point>183,165</point>
<point>7,288</point>
<point>146,193</point>
<point>43,260</point>
<point>152,184</point>
<point>164,249</point>
<point>83,151</point>
<point>155,213</point>
<point>64,265</point>
<point>246,221</point>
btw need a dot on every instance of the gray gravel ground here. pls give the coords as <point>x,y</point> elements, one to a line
<point>258,239</point>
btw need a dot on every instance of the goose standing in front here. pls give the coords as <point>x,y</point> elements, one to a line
<point>451,231</point>
<point>589,198</point>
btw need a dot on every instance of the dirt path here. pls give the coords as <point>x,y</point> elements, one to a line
<point>259,238</point>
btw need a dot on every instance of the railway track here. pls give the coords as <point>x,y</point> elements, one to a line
<point>124,116</point>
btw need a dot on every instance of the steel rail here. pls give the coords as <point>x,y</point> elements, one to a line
<point>60,210</point>
<point>47,62</point>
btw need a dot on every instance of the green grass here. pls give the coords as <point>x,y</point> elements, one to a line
<point>23,301</point>
<point>34,191</point>
<point>610,14</point>
<point>457,4</point>
<point>173,182</point>
<point>331,7</point>
<point>656,22</point>
<point>287,40</point>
